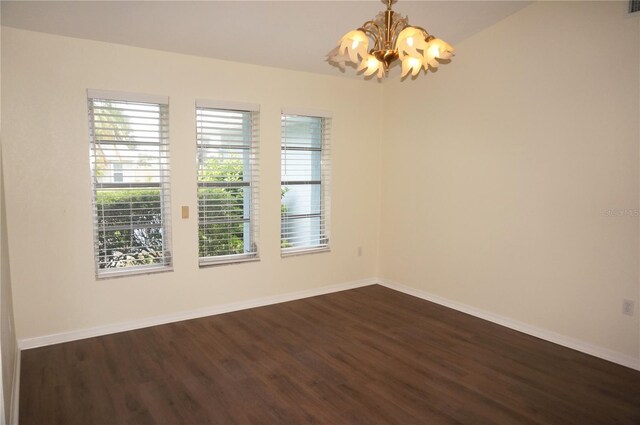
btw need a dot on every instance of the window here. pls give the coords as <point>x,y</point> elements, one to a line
<point>227,156</point>
<point>128,135</point>
<point>118,177</point>
<point>304,206</point>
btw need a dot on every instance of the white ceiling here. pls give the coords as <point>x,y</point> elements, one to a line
<point>284,34</point>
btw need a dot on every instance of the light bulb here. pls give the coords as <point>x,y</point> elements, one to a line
<point>355,44</point>
<point>410,41</point>
<point>412,64</point>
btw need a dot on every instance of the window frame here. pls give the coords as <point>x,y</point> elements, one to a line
<point>253,183</point>
<point>324,182</point>
<point>163,185</point>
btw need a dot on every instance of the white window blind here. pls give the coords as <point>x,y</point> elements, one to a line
<point>227,157</point>
<point>304,183</point>
<point>130,175</point>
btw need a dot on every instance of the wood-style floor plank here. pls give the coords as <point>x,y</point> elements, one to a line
<point>366,356</point>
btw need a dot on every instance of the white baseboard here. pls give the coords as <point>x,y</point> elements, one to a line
<point>15,391</point>
<point>603,353</point>
<point>547,335</point>
<point>40,341</point>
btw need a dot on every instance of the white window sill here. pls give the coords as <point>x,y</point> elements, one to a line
<point>226,260</point>
<point>118,272</point>
<point>304,251</point>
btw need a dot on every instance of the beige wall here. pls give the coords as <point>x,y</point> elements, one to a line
<point>48,188</point>
<point>501,170</point>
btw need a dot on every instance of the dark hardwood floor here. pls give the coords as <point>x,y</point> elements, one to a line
<point>365,356</point>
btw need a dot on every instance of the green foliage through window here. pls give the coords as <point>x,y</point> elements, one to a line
<point>221,213</point>
<point>129,228</point>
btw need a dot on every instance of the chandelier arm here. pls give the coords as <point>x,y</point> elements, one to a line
<point>366,28</point>
<point>396,31</point>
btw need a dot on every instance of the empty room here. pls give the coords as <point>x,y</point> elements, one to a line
<point>320,212</point>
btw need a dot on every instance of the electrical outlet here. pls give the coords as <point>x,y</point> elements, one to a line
<point>628,307</point>
<point>359,251</point>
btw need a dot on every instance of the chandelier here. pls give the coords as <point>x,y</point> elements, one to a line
<point>393,39</point>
